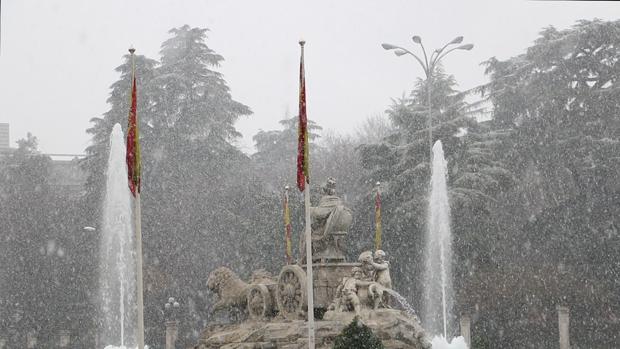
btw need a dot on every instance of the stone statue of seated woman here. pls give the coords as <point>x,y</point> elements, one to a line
<point>330,222</point>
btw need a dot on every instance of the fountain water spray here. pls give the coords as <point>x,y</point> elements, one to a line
<point>438,251</point>
<point>117,285</point>
<point>438,300</point>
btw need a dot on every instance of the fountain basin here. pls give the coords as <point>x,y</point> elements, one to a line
<point>394,327</point>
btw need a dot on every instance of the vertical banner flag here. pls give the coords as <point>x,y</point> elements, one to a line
<point>303,175</point>
<point>287,229</point>
<point>133,143</point>
<point>378,218</point>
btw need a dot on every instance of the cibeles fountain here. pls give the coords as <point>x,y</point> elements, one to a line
<point>271,311</point>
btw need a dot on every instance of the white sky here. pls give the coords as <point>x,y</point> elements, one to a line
<point>58,56</point>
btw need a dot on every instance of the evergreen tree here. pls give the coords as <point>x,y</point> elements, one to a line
<point>202,204</point>
<point>42,253</point>
<point>559,102</point>
<point>560,98</point>
<point>25,177</point>
<point>276,153</point>
<point>357,336</point>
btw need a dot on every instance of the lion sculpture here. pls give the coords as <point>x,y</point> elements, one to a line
<point>230,289</point>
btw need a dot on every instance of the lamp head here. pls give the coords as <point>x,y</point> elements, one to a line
<point>456,40</point>
<point>388,46</point>
<point>400,52</point>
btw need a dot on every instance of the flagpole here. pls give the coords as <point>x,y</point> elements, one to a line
<point>138,231</point>
<point>306,188</point>
<point>139,285</point>
<point>310,288</point>
<point>288,248</point>
<point>378,216</point>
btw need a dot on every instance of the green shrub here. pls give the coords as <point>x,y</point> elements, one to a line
<point>357,336</point>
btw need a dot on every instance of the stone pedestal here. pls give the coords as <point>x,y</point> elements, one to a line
<point>171,334</point>
<point>563,327</point>
<point>326,278</point>
<point>465,324</point>
<point>395,329</point>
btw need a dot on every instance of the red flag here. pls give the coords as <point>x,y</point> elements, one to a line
<point>133,142</point>
<point>303,175</point>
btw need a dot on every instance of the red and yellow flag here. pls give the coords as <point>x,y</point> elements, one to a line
<point>287,229</point>
<point>303,171</point>
<point>377,219</point>
<point>133,141</point>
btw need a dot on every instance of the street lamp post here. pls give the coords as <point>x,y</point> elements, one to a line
<point>171,309</point>
<point>428,65</point>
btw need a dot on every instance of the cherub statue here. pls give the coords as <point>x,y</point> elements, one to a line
<point>346,293</point>
<point>382,275</point>
<point>368,270</point>
<point>382,269</point>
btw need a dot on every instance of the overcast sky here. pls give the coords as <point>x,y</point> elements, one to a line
<point>58,56</point>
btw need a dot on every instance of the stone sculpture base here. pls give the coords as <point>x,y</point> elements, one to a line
<point>395,329</point>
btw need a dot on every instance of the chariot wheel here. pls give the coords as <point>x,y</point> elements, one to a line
<point>260,303</point>
<point>291,292</point>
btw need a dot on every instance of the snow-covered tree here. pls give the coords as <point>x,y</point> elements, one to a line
<point>43,256</point>
<point>559,101</point>
<point>276,153</point>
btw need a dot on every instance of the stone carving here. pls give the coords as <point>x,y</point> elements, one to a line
<point>348,292</point>
<point>261,276</point>
<point>260,295</point>
<point>230,289</point>
<point>234,294</point>
<point>330,223</point>
<point>382,275</point>
<point>395,329</point>
<point>382,269</point>
<point>368,270</point>
<point>291,292</point>
<point>368,286</point>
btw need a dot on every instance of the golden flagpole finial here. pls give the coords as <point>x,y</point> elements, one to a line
<point>302,42</point>
<point>132,49</point>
